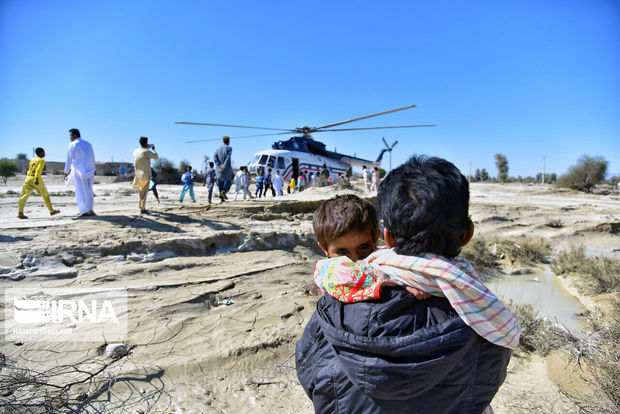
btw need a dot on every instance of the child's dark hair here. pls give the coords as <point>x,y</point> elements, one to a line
<point>339,215</point>
<point>39,151</point>
<point>424,203</point>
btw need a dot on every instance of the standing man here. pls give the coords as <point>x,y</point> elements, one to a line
<point>278,182</point>
<point>366,178</point>
<point>142,165</point>
<point>210,180</point>
<point>269,183</point>
<point>374,187</point>
<point>34,181</point>
<point>224,171</point>
<point>80,166</point>
<point>247,180</point>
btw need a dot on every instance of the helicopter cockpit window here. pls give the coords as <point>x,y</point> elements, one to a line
<point>254,160</point>
<point>263,159</point>
<point>281,164</point>
<point>271,161</point>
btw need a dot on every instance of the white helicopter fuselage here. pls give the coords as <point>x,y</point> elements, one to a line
<point>291,163</point>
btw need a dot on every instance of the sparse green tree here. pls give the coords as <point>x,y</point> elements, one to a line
<point>7,169</point>
<point>501,162</point>
<point>549,178</point>
<point>588,172</point>
<point>21,156</point>
<point>382,173</point>
<point>477,175</point>
<point>484,175</point>
<point>167,173</point>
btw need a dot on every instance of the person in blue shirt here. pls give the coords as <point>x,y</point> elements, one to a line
<point>188,184</point>
<point>210,179</point>
<point>260,179</point>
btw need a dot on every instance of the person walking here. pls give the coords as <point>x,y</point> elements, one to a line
<point>210,179</point>
<point>81,168</point>
<point>269,183</point>
<point>260,180</point>
<point>188,184</point>
<point>278,182</point>
<point>142,166</point>
<point>34,181</point>
<point>153,184</point>
<point>224,171</point>
<point>239,181</point>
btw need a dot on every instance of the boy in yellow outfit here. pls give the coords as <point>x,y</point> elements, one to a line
<point>34,181</point>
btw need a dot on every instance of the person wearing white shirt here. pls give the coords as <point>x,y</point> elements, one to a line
<point>239,180</point>
<point>80,167</point>
<point>366,177</point>
<point>278,183</point>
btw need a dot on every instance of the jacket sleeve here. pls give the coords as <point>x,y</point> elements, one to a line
<point>153,155</point>
<point>226,163</point>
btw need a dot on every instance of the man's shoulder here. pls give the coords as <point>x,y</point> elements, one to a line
<point>396,313</point>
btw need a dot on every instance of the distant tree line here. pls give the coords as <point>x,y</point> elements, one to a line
<point>583,176</point>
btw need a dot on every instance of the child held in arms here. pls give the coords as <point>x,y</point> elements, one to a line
<point>441,344</point>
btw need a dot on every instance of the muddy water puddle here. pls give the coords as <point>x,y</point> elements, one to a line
<point>545,292</point>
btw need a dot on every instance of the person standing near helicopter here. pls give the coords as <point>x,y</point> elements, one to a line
<point>223,164</point>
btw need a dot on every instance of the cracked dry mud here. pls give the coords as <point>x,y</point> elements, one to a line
<point>215,292</point>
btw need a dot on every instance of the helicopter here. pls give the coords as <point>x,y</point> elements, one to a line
<point>303,153</point>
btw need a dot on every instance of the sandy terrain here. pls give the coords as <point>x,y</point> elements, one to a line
<point>216,292</point>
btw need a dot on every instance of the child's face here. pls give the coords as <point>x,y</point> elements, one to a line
<point>355,245</point>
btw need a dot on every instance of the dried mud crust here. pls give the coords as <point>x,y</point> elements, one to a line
<point>216,291</point>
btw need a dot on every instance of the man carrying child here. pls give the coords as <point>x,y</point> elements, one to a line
<point>442,343</point>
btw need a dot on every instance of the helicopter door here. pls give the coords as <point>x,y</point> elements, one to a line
<point>295,168</point>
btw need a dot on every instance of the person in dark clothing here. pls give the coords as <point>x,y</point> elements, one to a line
<point>269,183</point>
<point>153,184</point>
<point>400,353</point>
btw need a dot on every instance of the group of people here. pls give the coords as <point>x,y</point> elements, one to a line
<point>80,168</point>
<point>370,179</point>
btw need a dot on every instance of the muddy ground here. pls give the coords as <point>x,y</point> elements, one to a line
<point>216,293</point>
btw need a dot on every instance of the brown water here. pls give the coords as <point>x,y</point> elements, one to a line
<point>545,292</point>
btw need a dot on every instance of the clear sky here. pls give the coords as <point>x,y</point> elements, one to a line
<point>528,78</point>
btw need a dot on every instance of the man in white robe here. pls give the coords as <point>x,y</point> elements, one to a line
<point>278,182</point>
<point>80,167</point>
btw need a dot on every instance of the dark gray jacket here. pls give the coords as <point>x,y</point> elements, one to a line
<point>396,355</point>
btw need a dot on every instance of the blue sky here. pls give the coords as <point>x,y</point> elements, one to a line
<point>524,78</point>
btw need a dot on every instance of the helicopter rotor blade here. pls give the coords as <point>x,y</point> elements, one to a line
<point>381,127</point>
<point>385,142</point>
<point>232,126</point>
<point>367,116</point>
<point>242,136</point>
